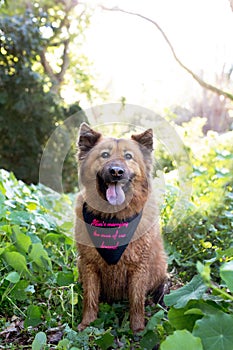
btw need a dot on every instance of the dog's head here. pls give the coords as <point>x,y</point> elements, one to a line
<point>117,170</point>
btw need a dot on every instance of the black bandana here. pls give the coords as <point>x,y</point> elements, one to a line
<point>112,236</point>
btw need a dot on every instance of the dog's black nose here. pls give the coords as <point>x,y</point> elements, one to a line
<point>116,171</point>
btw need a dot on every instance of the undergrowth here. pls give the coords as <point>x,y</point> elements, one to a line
<point>41,298</point>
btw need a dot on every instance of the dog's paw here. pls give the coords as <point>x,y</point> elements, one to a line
<point>138,330</point>
<point>137,325</point>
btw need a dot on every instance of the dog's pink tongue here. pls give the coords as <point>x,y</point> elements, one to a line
<point>115,195</point>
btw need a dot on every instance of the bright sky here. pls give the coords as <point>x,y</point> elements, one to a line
<point>131,59</point>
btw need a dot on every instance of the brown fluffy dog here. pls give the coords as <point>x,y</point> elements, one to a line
<point>121,254</point>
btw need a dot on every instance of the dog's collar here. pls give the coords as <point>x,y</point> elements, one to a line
<point>112,236</point>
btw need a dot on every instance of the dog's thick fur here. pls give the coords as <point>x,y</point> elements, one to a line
<point>142,267</point>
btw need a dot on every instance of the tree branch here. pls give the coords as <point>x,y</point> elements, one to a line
<point>47,68</point>
<point>57,78</point>
<point>65,62</point>
<point>188,70</point>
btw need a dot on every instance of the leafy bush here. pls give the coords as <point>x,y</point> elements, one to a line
<point>206,230</point>
<point>38,273</point>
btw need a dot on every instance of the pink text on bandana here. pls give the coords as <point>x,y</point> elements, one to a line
<point>115,236</point>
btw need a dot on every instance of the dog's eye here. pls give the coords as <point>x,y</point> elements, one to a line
<point>128,156</point>
<point>105,154</point>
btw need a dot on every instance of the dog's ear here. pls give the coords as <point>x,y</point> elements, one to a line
<point>87,139</point>
<point>145,139</point>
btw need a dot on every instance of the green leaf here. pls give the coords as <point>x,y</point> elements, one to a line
<point>149,340</point>
<point>215,331</point>
<point>39,256</point>
<point>54,237</point>
<point>63,344</point>
<point>33,316</point>
<point>20,291</point>
<point>154,320</point>
<point>194,311</point>
<point>17,261</point>
<point>185,318</point>
<point>6,229</point>
<point>58,238</point>
<point>67,226</point>
<point>21,240</point>
<point>40,341</point>
<point>2,198</point>
<point>2,210</point>
<point>180,319</point>
<point>224,253</point>
<point>105,341</point>
<point>20,217</point>
<point>44,220</point>
<point>194,290</point>
<point>226,273</point>
<point>13,277</point>
<point>65,278</point>
<point>182,340</point>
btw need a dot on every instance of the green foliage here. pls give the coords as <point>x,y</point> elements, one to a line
<point>202,242</point>
<point>39,286</point>
<point>226,273</point>
<point>206,230</point>
<point>38,274</point>
<point>192,291</point>
<point>30,102</point>
<point>215,331</point>
<point>208,317</point>
<point>182,340</point>
<point>40,341</point>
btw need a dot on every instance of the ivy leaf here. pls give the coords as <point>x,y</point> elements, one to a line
<point>20,291</point>
<point>182,340</point>
<point>105,341</point>
<point>20,217</point>
<point>39,256</point>
<point>13,277</point>
<point>149,340</point>
<point>21,241</point>
<point>154,320</point>
<point>215,331</point>
<point>17,261</point>
<point>226,273</point>
<point>40,341</point>
<point>194,290</point>
<point>65,278</point>
<point>33,316</point>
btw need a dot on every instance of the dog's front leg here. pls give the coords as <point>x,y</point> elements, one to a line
<point>137,293</point>
<point>91,289</point>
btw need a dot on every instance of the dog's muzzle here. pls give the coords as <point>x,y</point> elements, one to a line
<point>114,176</point>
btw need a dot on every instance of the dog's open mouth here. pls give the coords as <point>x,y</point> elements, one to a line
<point>115,194</point>
<point>113,182</point>
<point>113,191</point>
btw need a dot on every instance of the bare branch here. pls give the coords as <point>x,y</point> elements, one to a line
<point>65,62</point>
<point>47,68</point>
<point>57,78</point>
<point>188,70</point>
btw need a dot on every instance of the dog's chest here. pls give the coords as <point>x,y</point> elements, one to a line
<point>110,237</point>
